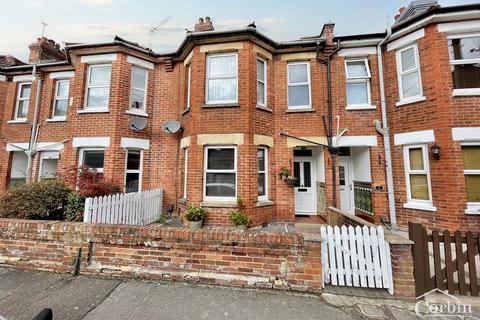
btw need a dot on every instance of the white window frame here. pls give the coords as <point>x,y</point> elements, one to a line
<point>88,85</point>
<point>220,77</point>
<point>469,91</point>
<point>139,170</point>
<point>19,98</point>
<point>309,83</point>
<point>189,79</point>
<point>57,84</point>
<point>185,173</point>
<point>472,207</point>
<point>43,156</point>
<point>265,155</point>
<point>82,152</point>
<point>417,203</point>
<point>265,64</point>
<point>401,73</point>
<point>366,79</point>
<point>142,110</point>
<point>205,171</point>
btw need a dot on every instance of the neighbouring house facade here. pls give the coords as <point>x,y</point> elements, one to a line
<point>329,111</point>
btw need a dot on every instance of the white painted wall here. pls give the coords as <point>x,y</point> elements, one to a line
<point>361,164</point>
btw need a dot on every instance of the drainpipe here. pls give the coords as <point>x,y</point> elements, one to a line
<point>34,131</point>
<point>384,130</point>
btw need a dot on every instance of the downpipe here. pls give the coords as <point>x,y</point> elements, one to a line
<point>34,131</point>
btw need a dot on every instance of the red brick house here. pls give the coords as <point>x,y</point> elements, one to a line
<point>333,111</point>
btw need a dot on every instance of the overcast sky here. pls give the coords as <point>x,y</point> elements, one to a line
<point>101,20</point>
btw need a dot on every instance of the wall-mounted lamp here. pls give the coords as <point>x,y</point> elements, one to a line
<point>436,151</point>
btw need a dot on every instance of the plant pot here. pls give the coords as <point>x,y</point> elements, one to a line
<point>195,225</point>
<point>241,227</point>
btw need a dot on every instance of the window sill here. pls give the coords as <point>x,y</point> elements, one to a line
<point>137,113</point>
<point>419,206</point>
<point>473,210</point>
<point>221,105</point>
<point>93,110</point>
<point>264,203</point>
<point>264,108</point>
<point>300,110</point>
<point>466,92</point>
<point>409,101</point>
<point>219,204</point>
<point>62,119</point>
<point>17,121</point>
<point>365,107</point>
<point>182,201</point>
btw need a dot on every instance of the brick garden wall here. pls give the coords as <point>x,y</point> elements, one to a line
<point>260,259</point>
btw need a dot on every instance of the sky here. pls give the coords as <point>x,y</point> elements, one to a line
<point>90,21</point>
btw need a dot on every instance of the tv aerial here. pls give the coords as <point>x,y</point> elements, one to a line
<point>137,124</point>
<point>171,126</point>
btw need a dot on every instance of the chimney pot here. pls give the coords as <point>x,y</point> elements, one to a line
<point>204,24</point>
<point>401,10</point>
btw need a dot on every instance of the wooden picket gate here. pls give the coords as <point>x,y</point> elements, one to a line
<point>441,260</point>
<point>137,208</point>
<point>358,257</point>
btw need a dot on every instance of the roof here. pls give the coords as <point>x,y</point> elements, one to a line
<point>6,61</point>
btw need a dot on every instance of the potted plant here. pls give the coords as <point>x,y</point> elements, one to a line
<point>195,216</point>
<point>286,176</point>
<point>240,220</point>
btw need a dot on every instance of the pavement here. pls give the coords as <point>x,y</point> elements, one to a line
<point>23,294</point>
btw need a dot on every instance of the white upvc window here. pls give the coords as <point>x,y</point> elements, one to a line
<point>98,86</point>
<point>220,180</point>
<point>471,171</point>
<point>18,170</point>
<point>261,82</point>
<point>358,83</point>
<point>133,170</point>
<point>222,78</point>
<point>93,158</point>
<point>464,52</point>
<point>299,86</point>
<point>60,103</point>
<point>48,165</point>
<point>185,172</point>
<point>262,159</point>
<point>417,174</point>
<point>23,100</point>
<point>138,94</point>
<point>189,79</point>
<point>408,73</point>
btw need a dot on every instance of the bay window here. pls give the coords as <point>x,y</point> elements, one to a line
<point>138,95</point>
<point>417,173</point>
<point>23,100</point>
<point>408,72</point>
<point>222,79</point>
<point>262,174</point>
<point>92,158</point>
<point>357,83</point>
<point>18,170</point>
<point>98,86</point>
<point>220,173</point>
<point>298,74</point>
<point>48,164</point>
<point>261,82</point>
<point>133,171</point>
<point>464,52</point>
<point>60,103</point>
<point>471,170</point>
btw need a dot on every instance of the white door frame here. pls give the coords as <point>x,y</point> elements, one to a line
<point>313,185</point>
<point>346,161</point>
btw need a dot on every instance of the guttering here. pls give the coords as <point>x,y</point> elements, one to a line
<point>384,130</point>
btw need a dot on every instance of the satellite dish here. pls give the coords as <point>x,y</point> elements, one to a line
<point>171,126</point>
<point>138,124</point>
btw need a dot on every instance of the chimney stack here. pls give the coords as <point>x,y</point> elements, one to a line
<point>328,34</point>
<point>45,50</point>
<point>204,24</point>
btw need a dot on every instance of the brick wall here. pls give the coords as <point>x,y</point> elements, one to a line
<point>260,259</point>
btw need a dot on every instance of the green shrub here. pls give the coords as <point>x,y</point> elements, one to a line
<point>36,200</point>
<point>195,213</point>
<point>75,207</point>
<point>239,218</point>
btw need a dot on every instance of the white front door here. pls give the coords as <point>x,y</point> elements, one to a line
<point>346,185</point>
<point>305,197</point>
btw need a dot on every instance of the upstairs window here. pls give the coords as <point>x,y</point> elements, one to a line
<point>189,79</point>
<point>60,104</point>
<point>299,85</point>
<point>98,86</point>
<point>138,96</point>
<point>358,83</point>
<point>471,170</point>
<point>222,80</point>
<point>261,82</point>
<point>408,71</point>
<point>220,173</point>
<point>23,100</point>
<point>464,54</point>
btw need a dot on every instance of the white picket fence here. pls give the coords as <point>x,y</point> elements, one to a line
<point>137,208</point>
<point>358,257</point>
